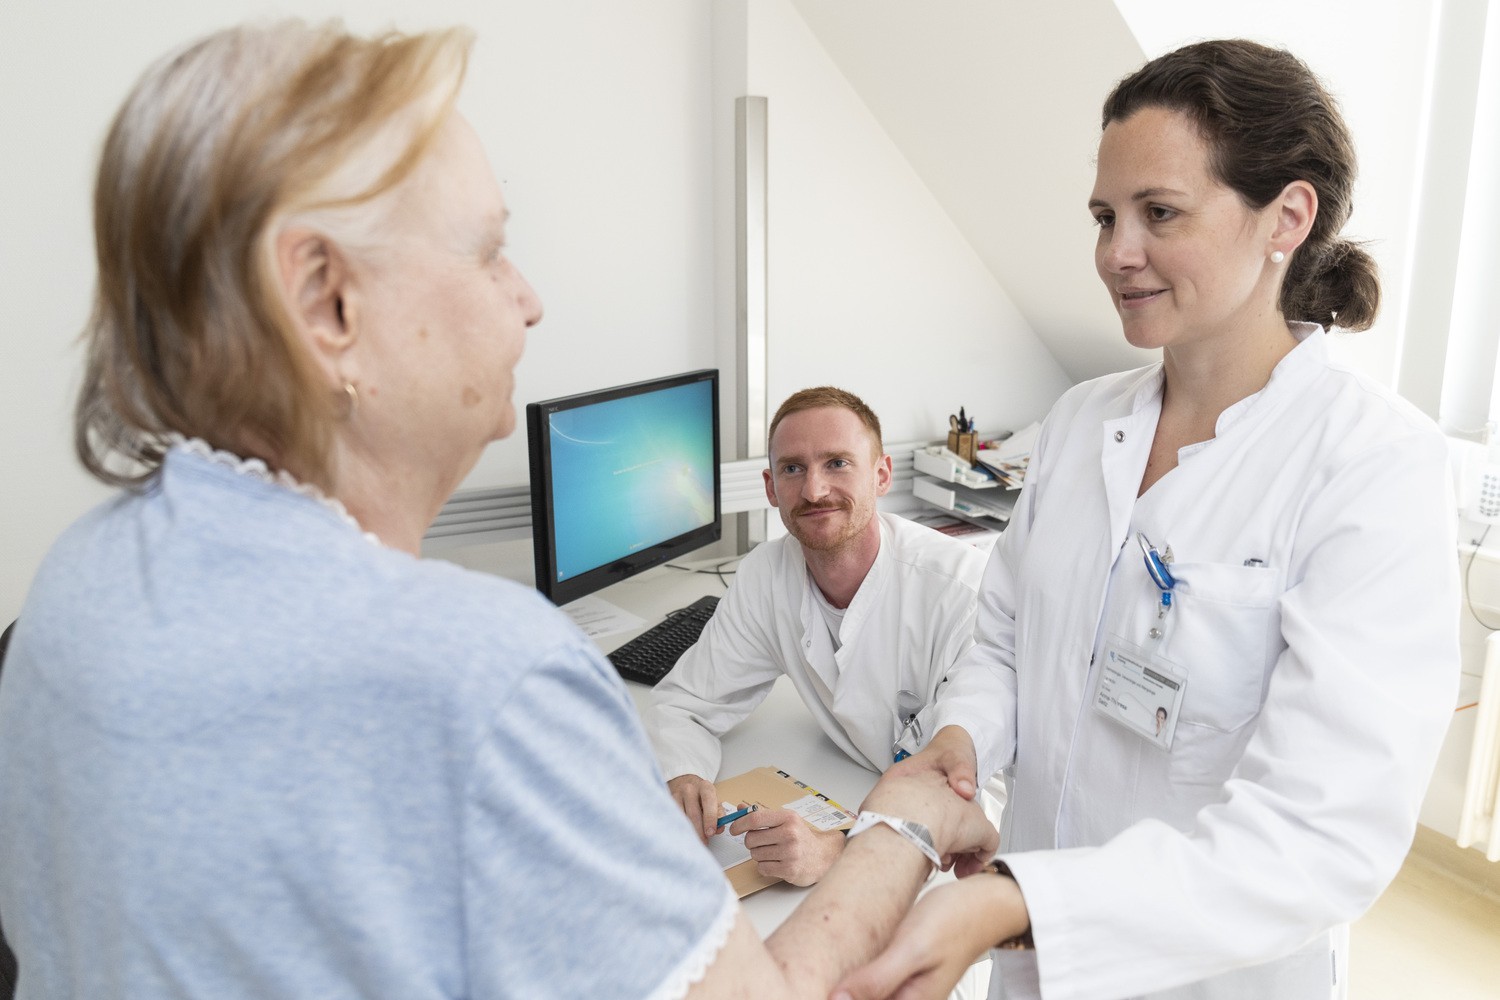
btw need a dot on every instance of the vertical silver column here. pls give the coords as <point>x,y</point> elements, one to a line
<point>750,292</point>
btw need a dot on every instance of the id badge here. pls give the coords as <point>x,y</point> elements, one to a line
<point>1143,693</point>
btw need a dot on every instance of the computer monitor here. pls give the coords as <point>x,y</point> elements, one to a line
<point>622,480</point>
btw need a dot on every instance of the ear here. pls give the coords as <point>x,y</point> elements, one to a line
<point>315,285</point>
<point>765,474</point>
<point>884,475</point>
<point>1295,210</point>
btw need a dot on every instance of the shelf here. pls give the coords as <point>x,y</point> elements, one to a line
<point>987,507</point>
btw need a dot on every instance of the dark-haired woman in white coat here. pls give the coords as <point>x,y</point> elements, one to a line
<point>1247,535</point>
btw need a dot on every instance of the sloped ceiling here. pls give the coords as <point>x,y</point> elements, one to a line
<point>996,106</point>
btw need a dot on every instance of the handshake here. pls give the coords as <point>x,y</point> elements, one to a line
<point>937,788</point>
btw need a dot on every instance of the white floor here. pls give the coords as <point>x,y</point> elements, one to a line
<point>1434,935</point>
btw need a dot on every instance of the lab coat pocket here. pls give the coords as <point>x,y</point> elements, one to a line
<point>1224,618</point>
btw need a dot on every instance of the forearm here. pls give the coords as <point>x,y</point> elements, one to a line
<point>972,915</point>
<point>684,735</point>
<point>857,906</point>
<point>846,920</point>
<point>851,914</point>
<point>710,691</point>
<point>944,934</point>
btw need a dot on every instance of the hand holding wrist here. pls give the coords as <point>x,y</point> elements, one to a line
<point>951,753</point>
<point>923,796</point>
<point>913,832</point>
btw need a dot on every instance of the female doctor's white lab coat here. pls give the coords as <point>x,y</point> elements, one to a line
<point>1314,620</point>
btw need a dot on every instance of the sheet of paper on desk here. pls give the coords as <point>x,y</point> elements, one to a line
<point>728,851</point>
<point>820,813</point>
<point>598,618</point>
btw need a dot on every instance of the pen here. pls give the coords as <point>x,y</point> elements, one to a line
<point>1157,570</point>
<point>726,820</point>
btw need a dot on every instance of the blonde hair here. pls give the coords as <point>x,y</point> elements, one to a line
<point>215,149</point>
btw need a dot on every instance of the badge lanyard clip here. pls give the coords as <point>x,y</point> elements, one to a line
<point>908,704</point>
<point>1156,568</point>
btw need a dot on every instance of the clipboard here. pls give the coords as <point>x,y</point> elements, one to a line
<point>773,788</point>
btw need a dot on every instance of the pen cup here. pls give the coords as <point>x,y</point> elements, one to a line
<point>965,445</point>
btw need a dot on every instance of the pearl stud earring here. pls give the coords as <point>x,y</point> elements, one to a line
<point>1277,256</point>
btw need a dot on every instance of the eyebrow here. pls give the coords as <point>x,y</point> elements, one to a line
<point>495,221</point>
<point>1142,195</point>
<point>492,227</point>
<point>799,460</point>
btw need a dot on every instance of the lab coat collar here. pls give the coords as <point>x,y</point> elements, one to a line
<point>1126,439</point>
<point>1290,374</point>
<point>817,647</point>
<point>868,594</point>
<point>1287,378</point>
<point>1124,447</point>
<point>1148,388</point>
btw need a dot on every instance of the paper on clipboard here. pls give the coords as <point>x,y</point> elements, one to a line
<point>727,849</point>
<point>773,788</point>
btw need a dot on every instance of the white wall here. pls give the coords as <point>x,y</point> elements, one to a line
<point>996,106</point>
<point>872,287</point>
<point>597,119</point>
<point>608,123</point>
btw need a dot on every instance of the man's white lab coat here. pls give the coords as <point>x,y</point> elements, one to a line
<point>907,625</point>
<point>1315,620</point>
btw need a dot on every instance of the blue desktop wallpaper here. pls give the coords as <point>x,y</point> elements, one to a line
<point>630,473</point>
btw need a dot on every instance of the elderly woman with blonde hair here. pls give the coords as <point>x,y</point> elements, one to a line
<point>250,744</point>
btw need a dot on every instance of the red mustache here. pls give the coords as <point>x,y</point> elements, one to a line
<point>804,508</point>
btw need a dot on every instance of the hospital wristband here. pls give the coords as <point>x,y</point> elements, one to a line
<point>913,831</point>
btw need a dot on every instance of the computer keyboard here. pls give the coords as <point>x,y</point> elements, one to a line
<point>649,656</point>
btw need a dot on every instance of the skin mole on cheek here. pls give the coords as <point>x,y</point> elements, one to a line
<point>470,396</point>
<point>422,333</point>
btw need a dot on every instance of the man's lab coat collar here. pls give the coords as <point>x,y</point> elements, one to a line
<point>866,598</point>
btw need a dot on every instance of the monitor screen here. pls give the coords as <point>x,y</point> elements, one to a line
<point>622,479</point>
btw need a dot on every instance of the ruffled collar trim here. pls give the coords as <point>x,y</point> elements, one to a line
<point>256,469</point>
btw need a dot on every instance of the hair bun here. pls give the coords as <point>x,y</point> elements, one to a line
<point>1336,285</point>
